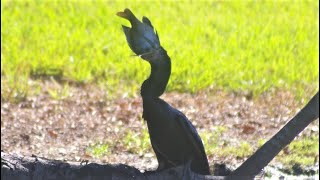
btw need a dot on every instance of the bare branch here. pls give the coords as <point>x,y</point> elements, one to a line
<point>270,149</point>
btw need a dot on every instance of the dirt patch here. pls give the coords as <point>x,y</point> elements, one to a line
<point>65,128</point>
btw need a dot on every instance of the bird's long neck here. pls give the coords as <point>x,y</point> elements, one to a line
<point>156,84</point>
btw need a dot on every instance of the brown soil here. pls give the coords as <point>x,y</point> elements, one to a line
<point>64,129</point>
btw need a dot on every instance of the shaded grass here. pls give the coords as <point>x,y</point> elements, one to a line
<point>98,150</point>
<point>137,143</point>
<point>299,157</point>
<point>236,46</point>
<point>222,148</point>
<point>131,142</point>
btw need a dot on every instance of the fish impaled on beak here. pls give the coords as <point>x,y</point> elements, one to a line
<point>141,37</point>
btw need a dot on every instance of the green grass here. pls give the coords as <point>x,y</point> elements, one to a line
<point>222,148</point>
<point>235,46</point>
<point>137,143</point>
<point>98,150</point>
<point>132,142</point>
<point>302,153</point>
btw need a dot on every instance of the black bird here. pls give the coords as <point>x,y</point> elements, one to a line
<point>174,139</point>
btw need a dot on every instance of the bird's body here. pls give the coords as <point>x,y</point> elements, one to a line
<point>174,139</point>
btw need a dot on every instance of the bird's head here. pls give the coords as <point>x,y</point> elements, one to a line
<point>141,37</point>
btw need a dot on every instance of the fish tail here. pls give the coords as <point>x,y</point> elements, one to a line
<point>127,14</point>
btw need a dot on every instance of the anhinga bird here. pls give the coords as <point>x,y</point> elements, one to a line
<point>174,139</point>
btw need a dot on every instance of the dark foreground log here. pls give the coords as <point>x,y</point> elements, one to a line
<point>27,168</point>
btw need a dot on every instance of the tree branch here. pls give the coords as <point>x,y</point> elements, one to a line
<point>261,158</point>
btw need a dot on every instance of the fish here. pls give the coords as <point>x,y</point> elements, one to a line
<point>142,38</point>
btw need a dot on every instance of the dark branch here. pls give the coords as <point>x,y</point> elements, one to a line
<point>271,148</point>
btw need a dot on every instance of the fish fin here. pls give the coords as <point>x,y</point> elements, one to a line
<point>145,20</point>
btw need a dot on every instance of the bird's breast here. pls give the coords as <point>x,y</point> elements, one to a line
<point>163,128</point>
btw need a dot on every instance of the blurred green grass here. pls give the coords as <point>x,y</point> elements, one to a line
<point>235,46</point>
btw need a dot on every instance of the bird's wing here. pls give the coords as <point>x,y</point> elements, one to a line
<point>190,132</point>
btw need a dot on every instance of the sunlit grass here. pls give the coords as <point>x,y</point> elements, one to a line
<point>236,46</point>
